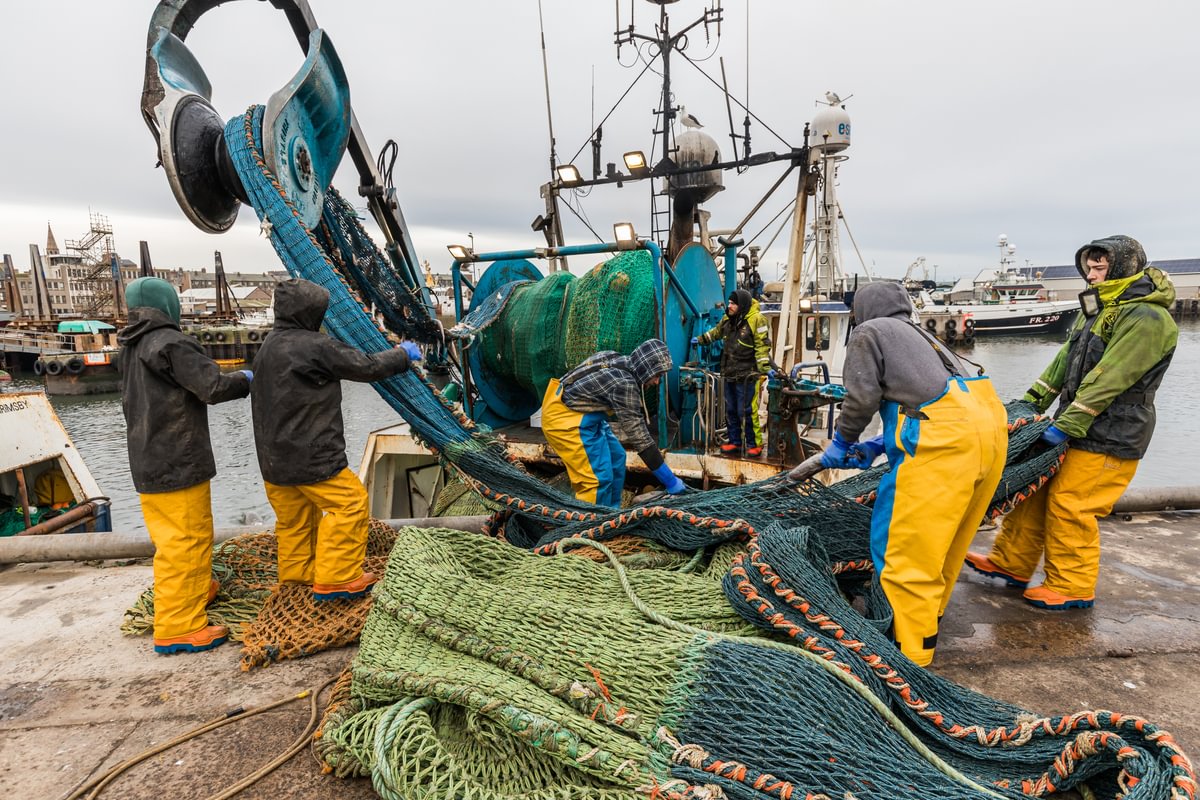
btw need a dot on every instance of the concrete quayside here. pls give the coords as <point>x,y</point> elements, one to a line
<point>78,697</point>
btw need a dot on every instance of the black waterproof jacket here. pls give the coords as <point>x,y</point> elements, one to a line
<point>297,397</point>
<point>166,380</point>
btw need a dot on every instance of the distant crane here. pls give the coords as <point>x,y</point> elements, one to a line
<point>911,282</point>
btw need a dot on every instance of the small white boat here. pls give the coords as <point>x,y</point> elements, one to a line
<point>44,485</point>
<point>1001,301</point>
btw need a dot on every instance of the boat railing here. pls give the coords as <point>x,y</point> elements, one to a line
<point>41,342</point>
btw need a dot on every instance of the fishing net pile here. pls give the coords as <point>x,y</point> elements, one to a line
<point>485,671</point>
<point>731,644</point>
<point>273,621</point>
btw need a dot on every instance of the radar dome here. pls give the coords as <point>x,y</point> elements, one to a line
<point>830,130</point>
<point>695,149</point>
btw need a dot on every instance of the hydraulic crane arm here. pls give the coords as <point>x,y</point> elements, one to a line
<point>176,94</point>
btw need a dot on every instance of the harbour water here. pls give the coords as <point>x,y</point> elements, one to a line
<point>97,427</point>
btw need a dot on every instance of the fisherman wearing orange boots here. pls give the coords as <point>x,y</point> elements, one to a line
<point>1104,378</point>
<point>745,359</point>
<point>167,382</point>
<point>320,506</point>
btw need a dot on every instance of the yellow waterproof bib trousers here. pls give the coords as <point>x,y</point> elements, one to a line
<point>321,529</point>
<point>1061,520</point>
<point>946,460</point>
<point>180,524</point>
<point>594,457</point>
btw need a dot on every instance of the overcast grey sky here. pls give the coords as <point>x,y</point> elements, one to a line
<point>1051,122</point>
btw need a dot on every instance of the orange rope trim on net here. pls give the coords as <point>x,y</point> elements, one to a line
<point>651,512</point>
<point>1024,494</point>
<point>1184,778</point>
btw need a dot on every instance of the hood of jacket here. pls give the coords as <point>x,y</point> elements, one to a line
<point>648,359</point>
<point>1126,257</point>
<point>879,300</point>
<point>743,300</point>
<point>142,321</point>
<point>153,293</point>
<point>300,304</point>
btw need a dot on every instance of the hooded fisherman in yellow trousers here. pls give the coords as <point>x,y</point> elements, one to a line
<point>166,382</point>
<point>1105,378</point>
<point>320,505</point>
<point>581,410</point>
<point>945,434</point>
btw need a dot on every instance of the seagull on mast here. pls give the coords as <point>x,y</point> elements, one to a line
<point>687,120</point>
<point>833,98</point>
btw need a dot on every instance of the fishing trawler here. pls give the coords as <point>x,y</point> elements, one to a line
<point>1000,301</point>
<point>528,319</point>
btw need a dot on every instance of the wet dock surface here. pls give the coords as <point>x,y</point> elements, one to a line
<point>1137,650</point>
<point>77,697</point>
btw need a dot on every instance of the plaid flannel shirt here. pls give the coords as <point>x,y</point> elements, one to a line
<point>605,382</point>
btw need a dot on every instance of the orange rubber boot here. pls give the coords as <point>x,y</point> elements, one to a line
<point>195,642</point>
<point>1041,597</point>
<point>350,590</point>
<point>984,566</point>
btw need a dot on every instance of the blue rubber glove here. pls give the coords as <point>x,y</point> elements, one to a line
<point>695,340</point>
<point>669,480</point>
<point>1053,436</point>
<point>864,453</point>
<point>771,373</point>
<point>249,375</point>
<point>835,456</point>
<point>414,352</point>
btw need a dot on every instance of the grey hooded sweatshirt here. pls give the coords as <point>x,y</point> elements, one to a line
<point>889,359</point>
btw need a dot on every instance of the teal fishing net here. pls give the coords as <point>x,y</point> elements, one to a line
<point>760,668</point>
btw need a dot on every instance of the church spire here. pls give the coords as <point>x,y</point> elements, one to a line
<point>51,244</point>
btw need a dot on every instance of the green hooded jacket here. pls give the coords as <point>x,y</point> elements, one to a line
<point>747,339</point>
<point>1106,374</point>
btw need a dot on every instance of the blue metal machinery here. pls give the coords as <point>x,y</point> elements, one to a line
<point>689,296</point>
<point>308,126</point>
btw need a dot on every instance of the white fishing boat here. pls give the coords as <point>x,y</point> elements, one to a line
<point>44,485</point>
<point>1001,301</point>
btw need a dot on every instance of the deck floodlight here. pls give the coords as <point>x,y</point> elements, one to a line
<point>460,252</point>
<point>635,162</point>
<point>625,235</point>
<point>568,175</point>
<point>806,304</point>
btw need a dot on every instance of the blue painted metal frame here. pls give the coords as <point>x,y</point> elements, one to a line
<point>685,283</point>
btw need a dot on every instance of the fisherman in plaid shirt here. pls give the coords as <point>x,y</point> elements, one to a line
<point>595,411</point>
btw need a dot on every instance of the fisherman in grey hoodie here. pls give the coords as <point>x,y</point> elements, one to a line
<point>945,435</point>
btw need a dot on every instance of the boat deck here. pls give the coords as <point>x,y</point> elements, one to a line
<point>77,697</point>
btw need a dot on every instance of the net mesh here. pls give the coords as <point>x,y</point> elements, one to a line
<point>273,621</point>
<point>534,332</point>
<point>736,669</point>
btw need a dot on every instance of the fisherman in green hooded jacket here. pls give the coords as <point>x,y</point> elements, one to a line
<point>167,384</point>
<point>1104,378</point>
